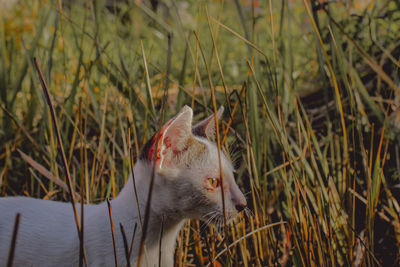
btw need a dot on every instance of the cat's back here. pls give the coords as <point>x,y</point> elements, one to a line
<point>32,209</point>
<point>44,227</point>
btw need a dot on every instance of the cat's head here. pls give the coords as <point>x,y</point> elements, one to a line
<point>187,170</point>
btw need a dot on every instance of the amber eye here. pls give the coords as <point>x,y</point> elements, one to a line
<point>214,182</point>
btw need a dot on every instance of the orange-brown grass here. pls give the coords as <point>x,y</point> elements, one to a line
<point>311,92</point>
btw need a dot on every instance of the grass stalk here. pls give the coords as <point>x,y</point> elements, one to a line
<point>13,243</point>
<point>112,231</point>
<point>128,261</point>
<point>61,149</point>
<point>161,118</point>
<point>217,136</point>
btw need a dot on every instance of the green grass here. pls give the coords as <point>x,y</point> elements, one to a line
<point>312,115</point>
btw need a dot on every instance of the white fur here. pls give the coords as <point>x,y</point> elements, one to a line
<point>47,232</point>
<point>48,236</point>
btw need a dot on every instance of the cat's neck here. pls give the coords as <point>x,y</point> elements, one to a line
<point>135,194</point>
<point>163,219</point>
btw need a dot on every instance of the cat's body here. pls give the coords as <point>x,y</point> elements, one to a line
<point>52,239</point>
<point>184,188</point>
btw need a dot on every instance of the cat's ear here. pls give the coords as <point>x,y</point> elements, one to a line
<point>206,128</point>
<point>172,139</point>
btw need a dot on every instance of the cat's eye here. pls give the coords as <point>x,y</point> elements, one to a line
<point>214,182</point>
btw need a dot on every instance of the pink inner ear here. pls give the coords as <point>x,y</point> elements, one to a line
<point>167,143</point>
<point>172,139</point>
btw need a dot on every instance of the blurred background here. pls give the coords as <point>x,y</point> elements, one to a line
<point>312,114</point>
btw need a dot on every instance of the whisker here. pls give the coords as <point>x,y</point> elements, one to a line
<point>248,213</point>
<point>211,216</point>
<point>207,223</point>
<point>220,226</point>
<point>247,193</point>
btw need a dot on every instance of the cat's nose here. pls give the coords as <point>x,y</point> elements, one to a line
<point>240,207</point>
<point>238,198</point>
<point>241,203</point>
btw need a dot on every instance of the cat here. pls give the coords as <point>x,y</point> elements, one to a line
<point>186,186</point>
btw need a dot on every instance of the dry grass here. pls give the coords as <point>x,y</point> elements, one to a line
<point>311,92</point>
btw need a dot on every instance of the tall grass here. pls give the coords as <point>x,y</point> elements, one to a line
<point>311,92</point>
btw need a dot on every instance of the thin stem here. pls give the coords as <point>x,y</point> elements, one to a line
<point>132,240</point>
<point>214,103</point>
<point>112,231</point>
<point>128,262</point>
<point>13,240</point>
<point>147,212</point>
<point>61,150</point>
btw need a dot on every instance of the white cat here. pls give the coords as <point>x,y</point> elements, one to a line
<point>186,185</point>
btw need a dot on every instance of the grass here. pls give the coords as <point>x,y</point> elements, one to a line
<point>311,94</point>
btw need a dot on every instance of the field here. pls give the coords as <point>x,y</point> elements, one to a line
<point>311,92</point>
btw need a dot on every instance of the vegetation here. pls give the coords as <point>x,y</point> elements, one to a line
<point>312,97</point>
